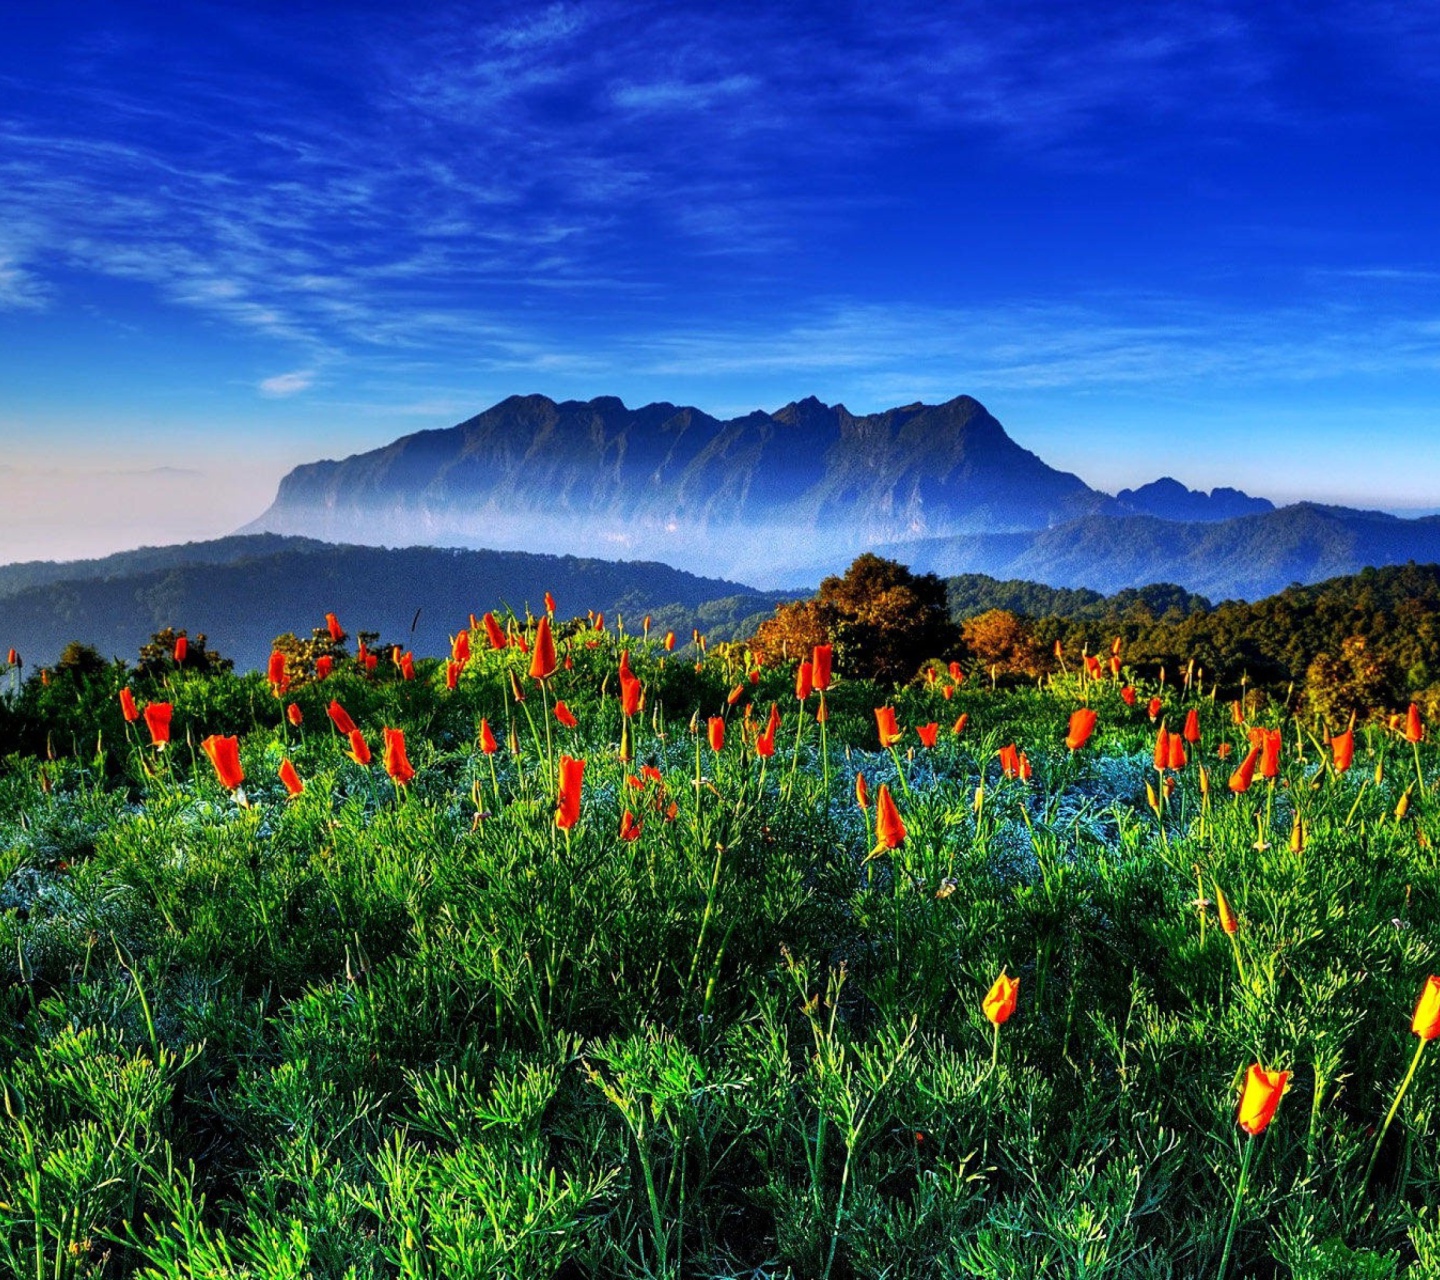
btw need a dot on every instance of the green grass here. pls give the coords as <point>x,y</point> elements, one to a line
<point>374,1032</point>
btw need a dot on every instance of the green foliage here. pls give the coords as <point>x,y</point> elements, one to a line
<point>375,1032</point>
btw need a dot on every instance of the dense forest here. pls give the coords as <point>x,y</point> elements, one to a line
<point>1369,642</point>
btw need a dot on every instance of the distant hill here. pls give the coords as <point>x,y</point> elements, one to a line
<point>243,592</point>
<point>759,496</point>
<point>975,593</point>
<point>17,577</point>
<point>1170,500</point>
<point>1246,558</point>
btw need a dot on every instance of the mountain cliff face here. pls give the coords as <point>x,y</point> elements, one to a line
<point>758,495</point>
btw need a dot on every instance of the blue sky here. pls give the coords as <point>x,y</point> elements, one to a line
<point>1180,238</point>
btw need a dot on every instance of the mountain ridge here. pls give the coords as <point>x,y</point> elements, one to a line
<point>699,492</point>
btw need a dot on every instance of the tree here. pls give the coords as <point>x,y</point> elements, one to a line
<point>1358,682</point>
<point>157,657</point>
<point>1000,641</point>
<point>883,620</point>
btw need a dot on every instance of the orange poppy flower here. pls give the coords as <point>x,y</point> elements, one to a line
<point>1000,1001</point>
<point>1259,1098</point>
<point>862,792</point>
<point>565,715</point>
<point>407,665</point>
<point>1241,779</point>
<point>765,741</point>
<point>1228,920</point>
<point>669,641</point>
<point>1191,732</point>
<point>1270,753</point>
<point>157,720</point>
<point>182,650</point>
<point>359,748</point>
<point>629,828</point>
<point>493,633</point>
<point>567,805</point>
<point>1127,695</point>
<point>397,764</point>
<point>631,691</point>
<point>324,665</point>
<point>549,603</point>
<point>275,672</point>
<point>337,632</point>
<point>804,680</point>
<point>1082,725</point>
<point>224,755</point>
<point>460,647</point>
<point>889,829</point>
<point>487,738</point>
<point>890,731</point>
<point>294,714</point>
<point>961,721</point>
<point>1162,748</point>
<point>452,674</point>
<point>290,778</point>
<point>128,709</point>
<point>716,732</point>
<point>341,718</point>
<point>1342,750</point>
<point>1414,727</point>
<point>1178,757</point>
<point>1156,706</point>
<point>820,666</point>
<point>1010,761</point>
<point>543,663</point>
<point>928,733</point>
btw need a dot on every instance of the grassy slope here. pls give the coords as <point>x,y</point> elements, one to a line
<point>732,1046</point>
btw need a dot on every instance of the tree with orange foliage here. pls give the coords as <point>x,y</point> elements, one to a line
<point>883,620</point>
<point>999,640</point>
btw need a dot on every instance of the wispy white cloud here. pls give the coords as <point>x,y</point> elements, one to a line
<point>288,384</point>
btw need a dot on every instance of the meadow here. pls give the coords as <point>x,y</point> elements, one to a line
<point>732,1000</point>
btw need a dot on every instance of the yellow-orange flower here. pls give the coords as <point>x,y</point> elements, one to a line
<point>1426,1022</point>
<point>1000,1003</point>
<point>890,731</point>
<point>1259,1098</point>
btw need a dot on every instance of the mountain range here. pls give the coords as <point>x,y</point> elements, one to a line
<point>782,498</point>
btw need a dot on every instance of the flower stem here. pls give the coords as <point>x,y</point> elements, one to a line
<point>1235,1211</point>
<point>1394,1107</point>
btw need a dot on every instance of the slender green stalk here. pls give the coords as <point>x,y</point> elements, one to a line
<point>1235,1211</point>
<point>1394,1107</point>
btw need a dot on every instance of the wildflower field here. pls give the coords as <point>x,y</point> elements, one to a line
<point>579,955</point>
